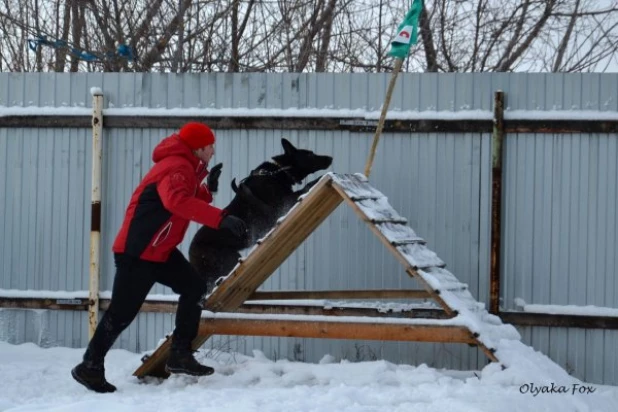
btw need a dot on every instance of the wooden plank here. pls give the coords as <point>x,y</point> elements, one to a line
<point>556,126</point>
<point>300,222</point>
<point>44,303</point>
<point>441,275</point>
<point>341,294</point>
<point>379,211</point>
<point>164,306</point>
<point>419,256</point>
<point>341,310</point>
<point>558,320</point>
<point>442,280</point>
<point>78,304</point>
<point>399,234</point>
<point>549,126</point>
<point>160,306</point>
<point>335,330</point>
<point>356,186</point>
<point>47,121</point>
<point>229,122</point>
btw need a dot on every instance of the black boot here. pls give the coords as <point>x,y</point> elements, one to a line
<point>92,377</point>
<point>182,361</point>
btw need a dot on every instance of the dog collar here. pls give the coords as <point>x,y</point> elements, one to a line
<point>284,169</point>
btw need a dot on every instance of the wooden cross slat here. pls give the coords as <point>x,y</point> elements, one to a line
<point>340,329</point>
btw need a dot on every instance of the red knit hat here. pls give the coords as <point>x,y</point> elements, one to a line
<point>196,135</point>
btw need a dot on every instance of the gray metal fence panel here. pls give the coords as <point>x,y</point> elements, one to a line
<point>560,195</point>
<point>45,187</point>
<point>560,215</point>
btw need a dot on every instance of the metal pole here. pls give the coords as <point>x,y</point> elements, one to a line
<point>387,101</point>
<point>496,202</point>
<point>95,222</point>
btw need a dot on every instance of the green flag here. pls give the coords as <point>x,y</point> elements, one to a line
<point>407,32</point>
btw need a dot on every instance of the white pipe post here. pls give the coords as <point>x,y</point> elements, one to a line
<point>95,222</point>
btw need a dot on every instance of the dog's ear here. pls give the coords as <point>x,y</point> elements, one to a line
<point>288,147</point>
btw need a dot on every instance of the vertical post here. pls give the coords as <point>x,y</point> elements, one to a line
<point>497,154</point>
<point>95,222</point>
<point>387,101</point>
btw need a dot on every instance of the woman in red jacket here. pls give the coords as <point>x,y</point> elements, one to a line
<point>145,250</point>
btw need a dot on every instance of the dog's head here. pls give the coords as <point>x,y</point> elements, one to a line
<point>300,163</point>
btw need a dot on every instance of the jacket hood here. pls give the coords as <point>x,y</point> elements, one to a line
<point>173,146</point>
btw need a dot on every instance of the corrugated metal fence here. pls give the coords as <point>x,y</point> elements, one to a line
<point>559,202</point>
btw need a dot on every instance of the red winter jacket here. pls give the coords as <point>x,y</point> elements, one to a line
<point>168,197</point>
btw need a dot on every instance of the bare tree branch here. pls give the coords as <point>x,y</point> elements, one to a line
<point>305,35</point>
<point>513,55</point>
<point>565,40</point>
<point>426,34</point>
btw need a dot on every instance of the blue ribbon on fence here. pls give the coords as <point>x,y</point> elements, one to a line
<point>122,51</point>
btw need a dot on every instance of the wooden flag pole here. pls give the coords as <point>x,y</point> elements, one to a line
<point>387,101</point>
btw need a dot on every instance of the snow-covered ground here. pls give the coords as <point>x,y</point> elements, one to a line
<point>37,379</point>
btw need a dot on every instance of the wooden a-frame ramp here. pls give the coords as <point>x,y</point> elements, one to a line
<point>464,319</point>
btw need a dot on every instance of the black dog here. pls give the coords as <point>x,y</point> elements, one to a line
<point>260,199</point>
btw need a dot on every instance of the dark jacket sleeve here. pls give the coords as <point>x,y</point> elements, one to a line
<point>176,190</point>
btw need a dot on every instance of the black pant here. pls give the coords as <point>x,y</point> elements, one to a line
<point>134,279</point>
